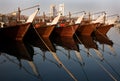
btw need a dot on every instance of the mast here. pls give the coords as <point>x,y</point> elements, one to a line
<point>19,13</point>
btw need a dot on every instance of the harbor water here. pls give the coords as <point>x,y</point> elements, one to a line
<point>65,59</point>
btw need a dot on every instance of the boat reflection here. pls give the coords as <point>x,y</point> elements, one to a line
<point>105,41</point>
<point>89,43</point>
<point>69,44</point>
<point>22,51</point>
<point>25,51</point>
<point>45,45</point>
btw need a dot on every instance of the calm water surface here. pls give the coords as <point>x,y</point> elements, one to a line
<point>87,59</point>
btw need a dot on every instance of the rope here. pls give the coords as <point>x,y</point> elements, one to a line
<point>99,63</point>
<point>26,70</point>
<point>56,58</point>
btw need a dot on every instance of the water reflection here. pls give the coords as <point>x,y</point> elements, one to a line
<point>22,51</point>
<point>82,58</point>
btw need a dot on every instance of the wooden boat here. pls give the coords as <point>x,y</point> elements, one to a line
<point>45,29</point>
<point>69,30</point>
<point>17,32</point>
<point>103,28</point>
<point>87,29</point>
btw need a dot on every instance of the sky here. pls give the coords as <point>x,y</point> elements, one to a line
<point>110,6</point>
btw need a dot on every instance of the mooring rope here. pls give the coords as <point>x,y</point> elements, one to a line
<point>56,58</point>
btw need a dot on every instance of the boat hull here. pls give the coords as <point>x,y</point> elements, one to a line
<point>45,31</point>
<point>103,29</point>
<point>16,32</point>
<point>67,31</point>
<point>86,29</point>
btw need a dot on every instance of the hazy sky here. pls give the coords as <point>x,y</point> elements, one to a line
<point>110,6</point>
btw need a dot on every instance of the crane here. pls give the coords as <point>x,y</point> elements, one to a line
<point>20,10</point>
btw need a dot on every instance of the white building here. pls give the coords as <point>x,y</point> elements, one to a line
<point>53,10</point>
<point>61,9</point>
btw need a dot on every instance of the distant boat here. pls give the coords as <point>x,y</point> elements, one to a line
<point>45,29</point>
<point>87,29</point>
<point>17,32</point>
<point>103,28</point>
<point>67,30</point>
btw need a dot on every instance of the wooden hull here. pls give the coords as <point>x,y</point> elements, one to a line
<point>103,29</point>
<point>86,29</point>
<point>67,31</point>
<point>45,31</point>
<point>16,32</point>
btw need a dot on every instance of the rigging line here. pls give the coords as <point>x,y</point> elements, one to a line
<point>79,63</point>
<point>101,65</point>
<point>81,43</point>
<point>105,51</point>
<point>22,67</point>
<point>106,71</point>
<point>85,73</point>
<point>110,47</point>
<point>112,67</point>
<point>70,57</point>
<point>104,68</point>
<point>55,57</point>
<point>82,63</point>
<point>50,60</point>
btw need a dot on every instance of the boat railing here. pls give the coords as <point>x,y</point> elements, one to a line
<point>112,19</point>
<point>100,19</point>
